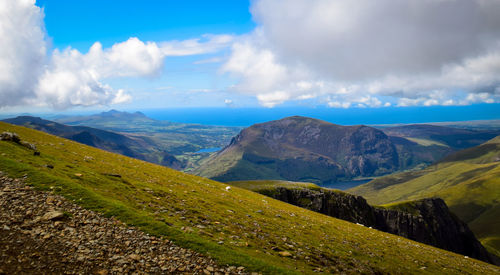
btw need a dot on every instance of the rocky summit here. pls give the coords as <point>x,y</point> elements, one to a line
<point>41,233</point>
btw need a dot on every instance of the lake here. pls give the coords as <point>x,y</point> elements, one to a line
<point>344,185</point>
<point>208,150</point>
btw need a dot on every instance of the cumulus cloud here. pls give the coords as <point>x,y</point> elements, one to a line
<point>366,53</point>
<point>73,78</point>
<point>62,79</point>
<point>22,50</point>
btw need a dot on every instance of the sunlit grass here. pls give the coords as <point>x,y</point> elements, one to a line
<point>236,227</point>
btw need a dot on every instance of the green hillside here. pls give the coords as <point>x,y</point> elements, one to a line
<point>235,226</point>
<point>468,181</point>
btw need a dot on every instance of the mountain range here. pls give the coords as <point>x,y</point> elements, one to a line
<point>311,150</point>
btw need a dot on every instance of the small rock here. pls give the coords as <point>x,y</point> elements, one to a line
<point>50,200</point>
<point>53,215</point>
<point>285,254</point>
<point>134,257</point>
<point>28,145</point>
<point>78,174</point>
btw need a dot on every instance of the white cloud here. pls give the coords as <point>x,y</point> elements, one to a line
<point>73,78</point>
<point>22,50</point>
<point>363,53</point>
<point>207,44</point>
<point>228,102</point>
<point>28,76</point>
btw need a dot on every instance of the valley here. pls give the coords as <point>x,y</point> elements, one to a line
<point>236,227</point>
<point>166,143</point>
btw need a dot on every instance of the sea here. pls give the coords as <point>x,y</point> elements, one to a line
<point>225,116</point>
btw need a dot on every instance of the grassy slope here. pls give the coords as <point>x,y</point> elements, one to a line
<point>257,185</point>
<point>426,142</point>
<point>198,213</point>
<point>468,181</point>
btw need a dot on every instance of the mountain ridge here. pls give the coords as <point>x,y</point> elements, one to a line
<point>103,139</point>
<point>293,148</point>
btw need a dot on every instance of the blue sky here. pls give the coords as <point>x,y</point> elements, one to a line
<point>81,23</point>
<point>68,56</point>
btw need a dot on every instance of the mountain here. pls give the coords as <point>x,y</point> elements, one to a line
<point>468,181</point>
<point>112,116</point>
<point>235,227</point>
<point>420,145</point>
<point>453,138</point>
<point>179,139</point>
<point>139,148</point>
<point>303,149</point>
<point>427,221</point>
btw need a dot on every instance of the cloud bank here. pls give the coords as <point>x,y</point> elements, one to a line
<point>371,53</point>
<point>341,53</point>
<point>62,79</point>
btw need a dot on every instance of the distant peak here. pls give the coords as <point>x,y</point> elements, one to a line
<point>122,115</point>
<point>111,112</point>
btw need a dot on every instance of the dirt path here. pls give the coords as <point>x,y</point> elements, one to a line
<point>41,233</point>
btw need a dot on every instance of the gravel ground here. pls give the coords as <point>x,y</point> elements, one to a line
<point>41,233</point>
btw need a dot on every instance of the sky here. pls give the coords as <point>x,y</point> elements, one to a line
<point>59,55</point>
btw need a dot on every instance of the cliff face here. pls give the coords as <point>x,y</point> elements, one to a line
<point>427,221</point>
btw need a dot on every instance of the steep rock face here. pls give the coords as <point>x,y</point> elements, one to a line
<point>432,223</point>
<point>428,221</point>
<point>304,149</point>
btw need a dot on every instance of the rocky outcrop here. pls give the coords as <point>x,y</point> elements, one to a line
<point>427,221</point>
<point>13,137</point>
